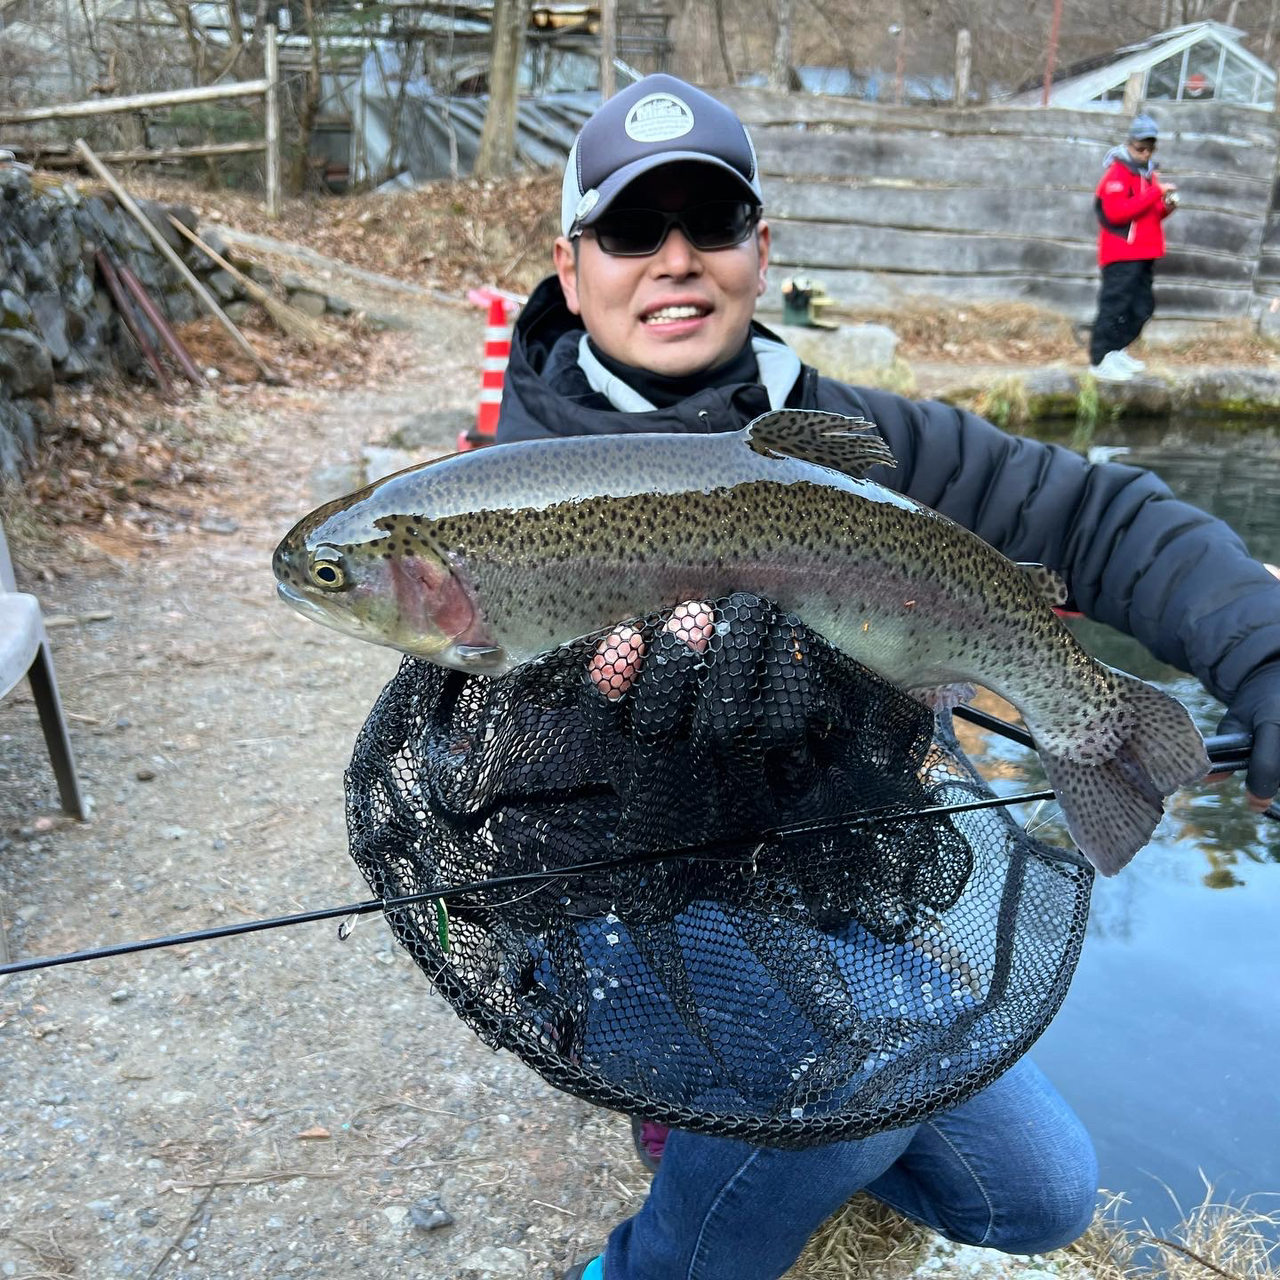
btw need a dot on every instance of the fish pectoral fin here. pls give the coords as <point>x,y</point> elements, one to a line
<point>1049,583</point>
<point>850,445</point>
<point>944,697</point>
<point>479,657</point>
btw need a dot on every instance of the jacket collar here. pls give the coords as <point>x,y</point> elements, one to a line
<point>548,390</point>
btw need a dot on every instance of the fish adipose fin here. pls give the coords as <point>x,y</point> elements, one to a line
<point>850,445</point>
<point>1113,806</point>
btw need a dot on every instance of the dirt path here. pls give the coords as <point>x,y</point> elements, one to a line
<point>280,1103</point>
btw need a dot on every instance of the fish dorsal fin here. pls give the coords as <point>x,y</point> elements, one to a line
<point>1049,583</point>
<point>851,445</point>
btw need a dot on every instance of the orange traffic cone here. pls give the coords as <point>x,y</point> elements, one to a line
<point>497,350</point>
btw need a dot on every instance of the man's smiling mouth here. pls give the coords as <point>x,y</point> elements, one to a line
<point>666,315</point>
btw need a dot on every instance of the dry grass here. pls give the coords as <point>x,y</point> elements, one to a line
<point>864,1239</point>
<point>442,235</point>
<point>1235,1241</point>
<point>937,330</point>
<point>867,1241</point>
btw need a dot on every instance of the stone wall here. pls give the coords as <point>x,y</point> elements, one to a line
<point>58,322</point>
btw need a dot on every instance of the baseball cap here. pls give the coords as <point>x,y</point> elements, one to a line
<point>1144,126</point>
<point>655,121</point>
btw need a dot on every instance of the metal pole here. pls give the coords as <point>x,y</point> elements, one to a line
<point>1052,55</point>
<point>271,58</point>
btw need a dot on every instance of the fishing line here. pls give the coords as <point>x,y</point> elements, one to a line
<point>1227,753</point>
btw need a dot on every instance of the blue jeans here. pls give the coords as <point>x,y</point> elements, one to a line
<point>1011,1169</point>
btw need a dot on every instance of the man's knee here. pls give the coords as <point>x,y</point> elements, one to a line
<point>1046,1217</point>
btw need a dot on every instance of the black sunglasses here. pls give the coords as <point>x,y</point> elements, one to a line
<point>636,233</point>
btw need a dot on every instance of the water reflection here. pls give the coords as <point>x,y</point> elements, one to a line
<point>1169,1042</point>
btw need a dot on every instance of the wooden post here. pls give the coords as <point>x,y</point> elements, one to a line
<point>1132,93</point>
<point>271,57</point>
<point>167,252</point>
<point>899,31</point>
<point>608,49</point>
<point>964,63</point>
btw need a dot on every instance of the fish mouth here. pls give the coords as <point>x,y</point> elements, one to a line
<point>303,604</point>
<point>311,608</point>
<point>349,624</point>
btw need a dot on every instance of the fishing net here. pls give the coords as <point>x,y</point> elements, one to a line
<point>678,928</point>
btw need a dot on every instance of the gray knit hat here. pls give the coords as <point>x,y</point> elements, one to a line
<point>1144,126</point>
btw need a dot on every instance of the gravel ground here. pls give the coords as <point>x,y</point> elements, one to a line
<point>281,1103</point>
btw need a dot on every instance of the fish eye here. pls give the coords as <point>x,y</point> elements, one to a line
<point>325,570</point>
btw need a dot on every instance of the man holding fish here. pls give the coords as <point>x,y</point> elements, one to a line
<point>678,464</point>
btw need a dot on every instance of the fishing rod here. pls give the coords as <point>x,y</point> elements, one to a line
<point>1227,753</point>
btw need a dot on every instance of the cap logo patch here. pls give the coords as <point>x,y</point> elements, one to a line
<point>659,117</point>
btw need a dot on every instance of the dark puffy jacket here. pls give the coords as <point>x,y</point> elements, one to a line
<point>1135,557</point>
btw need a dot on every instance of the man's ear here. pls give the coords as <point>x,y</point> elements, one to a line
<point>762,244</point>
<point>565,258</point>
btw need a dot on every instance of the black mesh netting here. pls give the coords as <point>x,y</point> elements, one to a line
<point>789,989</point>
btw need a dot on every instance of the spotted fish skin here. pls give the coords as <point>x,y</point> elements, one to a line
<point>485,560</point>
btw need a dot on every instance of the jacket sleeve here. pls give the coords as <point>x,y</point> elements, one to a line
<point>1135,557</point>
<point>1117,204</point>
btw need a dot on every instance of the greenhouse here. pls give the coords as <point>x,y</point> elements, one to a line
<point>1203,61</point>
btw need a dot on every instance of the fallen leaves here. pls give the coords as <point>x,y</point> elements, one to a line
<point>450,235</point>
<point>121,466</point>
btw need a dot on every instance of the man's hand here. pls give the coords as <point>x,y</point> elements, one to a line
<point>686,715</point>
<point>1256,709</point>
<point>618,657</point>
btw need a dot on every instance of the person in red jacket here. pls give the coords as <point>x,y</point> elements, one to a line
<point>1132,204</point>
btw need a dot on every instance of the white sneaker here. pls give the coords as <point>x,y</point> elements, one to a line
<point>1132,361</point>
<point>1112,369</point>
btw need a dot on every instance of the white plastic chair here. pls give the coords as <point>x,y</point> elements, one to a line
<point>24,651</point>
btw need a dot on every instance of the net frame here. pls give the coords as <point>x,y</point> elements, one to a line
<point>969,943</point>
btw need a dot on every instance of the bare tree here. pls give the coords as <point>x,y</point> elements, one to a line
<point>309,107</point>
<point>780,67</point>
<point>723,40</point>
<point>497,154</point>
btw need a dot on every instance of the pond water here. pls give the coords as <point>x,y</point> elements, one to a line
<point>1168,1045</point>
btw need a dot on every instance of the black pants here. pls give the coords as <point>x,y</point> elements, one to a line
<point>1125,304</point>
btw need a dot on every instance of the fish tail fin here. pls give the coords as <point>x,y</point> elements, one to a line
<point>1113,805</point>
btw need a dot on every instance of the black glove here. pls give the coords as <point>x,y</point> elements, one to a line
<point>764,725</point>
<point>685,746</point>
<point>1256,709</point>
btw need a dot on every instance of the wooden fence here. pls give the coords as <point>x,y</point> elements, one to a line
<point>884,204</point>
<point>267,89</point>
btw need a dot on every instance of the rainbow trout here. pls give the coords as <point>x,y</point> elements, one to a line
<point>482,561</point>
